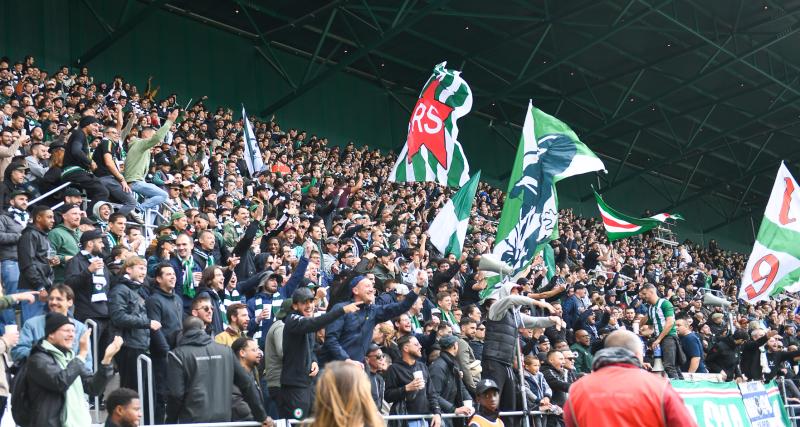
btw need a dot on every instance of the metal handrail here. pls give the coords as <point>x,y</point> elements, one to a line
<point>95,343</point>
<point>140,384</point>
<point>59,188</point>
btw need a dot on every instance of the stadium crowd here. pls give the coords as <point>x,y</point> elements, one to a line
<point>242,287</point>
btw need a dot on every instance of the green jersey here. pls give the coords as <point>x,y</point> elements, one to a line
<point>658,314</point>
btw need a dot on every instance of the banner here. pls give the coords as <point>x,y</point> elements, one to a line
<point>714,404</point>
<point>252,154</point>
<point>619,226</point>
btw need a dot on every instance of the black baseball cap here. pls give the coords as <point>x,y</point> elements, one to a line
<point>485,385</point>
<point>301,295</point>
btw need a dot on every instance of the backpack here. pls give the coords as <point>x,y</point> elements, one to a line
<point>21,400</point>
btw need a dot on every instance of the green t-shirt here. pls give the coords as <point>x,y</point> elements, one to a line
<point>658,314</point>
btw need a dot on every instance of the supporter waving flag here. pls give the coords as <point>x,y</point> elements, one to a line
<point>432,151</point>
<point>549,151</point>
<point>619,226</point>
<point>774,264</point>
<point>252,154</point>
<point>449,229</point>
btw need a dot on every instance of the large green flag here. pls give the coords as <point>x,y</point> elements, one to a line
<point>432,151</point>
<point>548,152</point>
<point>449,228</point>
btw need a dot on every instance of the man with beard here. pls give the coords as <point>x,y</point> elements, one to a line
<point>300,369</point>
<point>237,324</point>
<point>408,384</point>
<point>90,279</point>
<point>35,260</point>
<point>469,364</point>
<point>12,222</point>
<point>446,381</point>
<point>502,335</point>
<point>249,356</point>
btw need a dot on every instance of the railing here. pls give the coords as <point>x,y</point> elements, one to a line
<point>139,381</point>
<point>792,409</point>
<point>59,188</point>
<point>91,324</point>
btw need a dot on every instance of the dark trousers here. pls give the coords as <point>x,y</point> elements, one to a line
<point>295,402</point>
<point>669,356</point>
<point>506,381</point>
<point>118,195</point>
<point>95,189</point>
<point>126,362</point>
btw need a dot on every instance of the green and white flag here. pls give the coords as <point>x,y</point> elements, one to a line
<point>548,152</point>
<point>252,154</point>
<point>449,228</point>
<point>619,226</point>
<point>432,151</point>
<point>774,264</point>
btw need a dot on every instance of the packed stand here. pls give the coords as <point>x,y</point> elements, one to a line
<point>243,287</point>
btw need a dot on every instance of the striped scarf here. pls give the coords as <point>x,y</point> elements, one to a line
<point>188,280</point>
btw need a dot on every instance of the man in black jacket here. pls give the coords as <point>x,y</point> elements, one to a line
<point>201,375</point>
<point>77,164</point>
<point>166,308</point>
<point>407,383</point>
<point>89,279</point>
<point>56,378</point>
<point>128,315</point>
<point>446,381</point>
<point>724,355</point>
<point>751,353</point>
<point>12,221</point>
<point>35,260</point>
<point>299,370</point>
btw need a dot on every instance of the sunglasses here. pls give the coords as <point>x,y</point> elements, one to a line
<point>378,356</point>
<point>205,308</point>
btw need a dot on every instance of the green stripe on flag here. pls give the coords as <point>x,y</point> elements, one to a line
<point>456,168</point>
<point>418,163</point>
<point>444,84</point>
<point>460,96</point>
<point>400,175</point>
<point>777,238</point>
<point>454,247</point>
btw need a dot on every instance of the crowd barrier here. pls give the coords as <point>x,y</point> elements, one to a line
<point>92,325</point>
<point>140,377</point>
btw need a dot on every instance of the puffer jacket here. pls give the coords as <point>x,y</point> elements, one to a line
<point>201,375</point>
<point>447,385</point>
<point>126,308</point>
<point>10,232</point>
<point>49,383</point>
<point>559,382</point>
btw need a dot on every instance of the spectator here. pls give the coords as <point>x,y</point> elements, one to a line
<point>349,336</point>
<point>723,356</point>
<point>12,221</point>
<point>408,384</point>
<point>273,354</point>
<point>36,260</point>
<point>237,324</point>
<point>343,398</point>
<point>575,305</point>
<point>128,315</point>
<point>583,362</point>
<point>211,285</point>
<point>65,239</point>
<point>124,408</point>
<point>488,397</point>
<point>661,315</point>
<point>115,232</point>
<point>14,180</point>
<point>299,370</point>
<point>78,166</point>
<point>106,157</point>
<point>597,399</point>
<point>376,367</point>
<point>537,390</point>
<point>60,300</point>
<point>58,379</point>
<point>469,364</point>
<point>190,276</point>
<point>8,341</point>
<point>446,381</point>
<point>692,348</point>
<point>249,356</point>
<point>557,377</point>
<point>201,375</point>
<point>166,308</point>
<point>137,163</point>
<point>478,343</point>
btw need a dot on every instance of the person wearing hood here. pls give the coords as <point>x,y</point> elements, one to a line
<point>445,377</point>
<point>57,379</point>
<point>201,375</point>
<point>724,355</point>
<point>101,213</point>
<point>14,180</point>
<point>620,393</point>
<point>128,313</point>
<point>502,335</point>
<point>263,305</point>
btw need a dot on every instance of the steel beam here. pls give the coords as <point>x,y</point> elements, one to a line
<point>121,30</point>
<point>107,28</point>
<point>350,59</point>
<point>319,44</point>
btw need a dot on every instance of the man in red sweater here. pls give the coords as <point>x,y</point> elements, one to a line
<point>620,393</point>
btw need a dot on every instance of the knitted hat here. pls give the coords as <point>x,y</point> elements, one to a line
<point>53,321</point>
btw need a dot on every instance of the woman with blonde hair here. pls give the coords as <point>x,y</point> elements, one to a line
<point>344,398</point>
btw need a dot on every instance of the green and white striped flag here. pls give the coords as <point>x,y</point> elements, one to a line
<point>252,154</point>
<point>619,226</point>
<point>774,264</point>
<point>432,151</point>
<point>449,228</point>
<point>548,152</point>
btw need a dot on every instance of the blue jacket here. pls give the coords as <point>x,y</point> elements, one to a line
<point>33,331</point>
<point>266,299</point>
<point>348,337</point>
<point>571,312</point>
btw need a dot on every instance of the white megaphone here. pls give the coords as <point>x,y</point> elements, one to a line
<point>658,365</point>
<point>491,264</point>
<point>715,301</point>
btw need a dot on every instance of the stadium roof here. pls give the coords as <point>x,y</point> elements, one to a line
<point>699,94</point>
